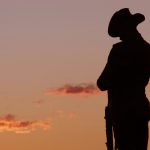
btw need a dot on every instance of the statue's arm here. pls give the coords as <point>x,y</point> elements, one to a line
<point>105,80</point>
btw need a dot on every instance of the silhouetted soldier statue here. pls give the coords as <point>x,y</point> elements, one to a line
<point>125,76</point>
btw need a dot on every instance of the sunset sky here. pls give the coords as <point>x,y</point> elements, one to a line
<point>51,54</point>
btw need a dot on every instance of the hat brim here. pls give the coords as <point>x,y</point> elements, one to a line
<point>138,18</point>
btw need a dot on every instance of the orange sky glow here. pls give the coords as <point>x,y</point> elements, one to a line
<point>51,54</point>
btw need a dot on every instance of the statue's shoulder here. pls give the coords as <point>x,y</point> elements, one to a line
<point>118,45</point>
<point>114,52</point>
<point>147,44</point>
<point>147,47</point>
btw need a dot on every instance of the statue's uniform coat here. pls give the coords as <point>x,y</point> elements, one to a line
<point>125,76</point>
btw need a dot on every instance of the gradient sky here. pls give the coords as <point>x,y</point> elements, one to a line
<point>51,54</point>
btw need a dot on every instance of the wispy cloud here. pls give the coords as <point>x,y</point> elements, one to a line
<point>11,124</point>
<point>64,114</point>
<point>81,89</point>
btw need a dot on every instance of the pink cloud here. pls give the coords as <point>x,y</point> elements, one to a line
<point>11,124</point>
<point>81,89</point>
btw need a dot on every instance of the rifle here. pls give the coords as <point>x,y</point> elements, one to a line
<point>109,126</point>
